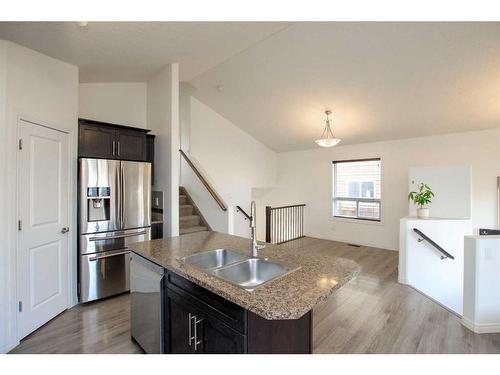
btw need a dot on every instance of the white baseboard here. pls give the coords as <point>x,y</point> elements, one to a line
<point>8,347</point>
<point>481,327</point>
<point>458,314</point>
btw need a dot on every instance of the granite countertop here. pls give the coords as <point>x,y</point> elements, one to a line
<point>288,297</point>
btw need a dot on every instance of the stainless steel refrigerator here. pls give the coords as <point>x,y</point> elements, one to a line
<point>114,211</point>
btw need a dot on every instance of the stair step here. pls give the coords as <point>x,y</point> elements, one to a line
<point>192,229</point>
<point>189,221</point>
<point>186,209</point>
<point>189,217</point>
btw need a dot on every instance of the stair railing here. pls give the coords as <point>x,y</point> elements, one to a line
<point>284,223</point>
<point>205,183</point>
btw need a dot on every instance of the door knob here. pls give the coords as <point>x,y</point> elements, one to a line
<point>65,230</point>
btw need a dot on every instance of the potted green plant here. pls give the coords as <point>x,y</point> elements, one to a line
<point>421,198</point>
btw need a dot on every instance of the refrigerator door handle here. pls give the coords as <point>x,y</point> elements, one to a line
<point>108,256</point>
<point>118,207</point>
<point>123,192</point>
<point>103,238</point>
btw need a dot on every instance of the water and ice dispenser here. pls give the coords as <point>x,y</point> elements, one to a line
<point>98,203</point>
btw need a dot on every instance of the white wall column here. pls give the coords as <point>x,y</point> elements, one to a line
<point>163,120</point>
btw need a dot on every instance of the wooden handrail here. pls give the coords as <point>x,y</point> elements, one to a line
<point>292,205</point>
<point>205,183</point>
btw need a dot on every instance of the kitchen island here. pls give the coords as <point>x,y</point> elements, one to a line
<point>201,313</point>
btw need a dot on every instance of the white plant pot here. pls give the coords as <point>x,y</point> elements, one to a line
<point>423,213</point>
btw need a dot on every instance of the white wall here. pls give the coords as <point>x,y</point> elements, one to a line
<point>451,185</point>
<point>163,120</point>
<point>233,162</point>
<point>123,103</point>
<point>306,177</point>
<point>44,90</point>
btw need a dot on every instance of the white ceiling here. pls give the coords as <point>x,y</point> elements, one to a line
<point>382,80</point>
<point>133,51</point>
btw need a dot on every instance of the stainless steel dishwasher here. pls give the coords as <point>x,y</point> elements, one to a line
<point>147,304</point>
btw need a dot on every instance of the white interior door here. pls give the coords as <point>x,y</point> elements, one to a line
<point>42,259</point>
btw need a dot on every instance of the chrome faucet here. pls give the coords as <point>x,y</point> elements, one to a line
<point>253,225</point>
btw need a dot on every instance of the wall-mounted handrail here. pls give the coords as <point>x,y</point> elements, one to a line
<point>205,183</point>
<point>247,216</point>
<point>439,248</point>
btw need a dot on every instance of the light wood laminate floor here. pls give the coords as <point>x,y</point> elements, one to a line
<point>96,327</point>
<point>371,314</point>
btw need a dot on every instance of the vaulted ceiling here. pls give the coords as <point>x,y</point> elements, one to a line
<point>274,80</point>
<point>381,80</point>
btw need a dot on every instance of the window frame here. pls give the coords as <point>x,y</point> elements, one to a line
<point>357,200</point>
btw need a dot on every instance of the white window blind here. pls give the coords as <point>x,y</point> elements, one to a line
<point>356,189</point>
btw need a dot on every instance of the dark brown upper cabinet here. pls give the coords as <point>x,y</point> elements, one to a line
<point>96,141</point>
<point>150,142</point>
<point>111,141</point>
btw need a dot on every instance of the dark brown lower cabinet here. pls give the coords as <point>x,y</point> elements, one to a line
<point>191,330</point>
<point>156,231</point>
<point>179,326</point>
<point>279,336</point>
<point>217,338</point>
<point>199,321</point>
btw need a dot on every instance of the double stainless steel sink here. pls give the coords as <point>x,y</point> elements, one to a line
<point>238,269</point>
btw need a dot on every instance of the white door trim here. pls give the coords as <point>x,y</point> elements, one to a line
<point>14,326</point>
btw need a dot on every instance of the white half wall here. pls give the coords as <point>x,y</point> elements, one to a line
<point>123,103</point>
<point>420,263</point>
<point>481,292</point>
<point>163,120</point>
<point>233,162</point>
<point>306,177</point>
<point>43,90</point>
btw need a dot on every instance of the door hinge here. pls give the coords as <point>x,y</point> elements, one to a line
<point>20,306</point>
<point>20,144</point>
<point>19,225</point>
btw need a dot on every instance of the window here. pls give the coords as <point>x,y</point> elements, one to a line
<point>356,189</point>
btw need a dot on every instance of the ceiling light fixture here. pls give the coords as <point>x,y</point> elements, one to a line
<point>327,139</point>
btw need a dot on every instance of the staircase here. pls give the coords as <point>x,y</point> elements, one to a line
<point>190,218</point>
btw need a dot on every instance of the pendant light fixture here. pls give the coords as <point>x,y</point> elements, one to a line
<point>327,139</point>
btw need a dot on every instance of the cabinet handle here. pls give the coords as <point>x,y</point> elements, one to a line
<point>196,341</point>
<point>118,142</point>
<point>113,151</point>
<point>190,337</point>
